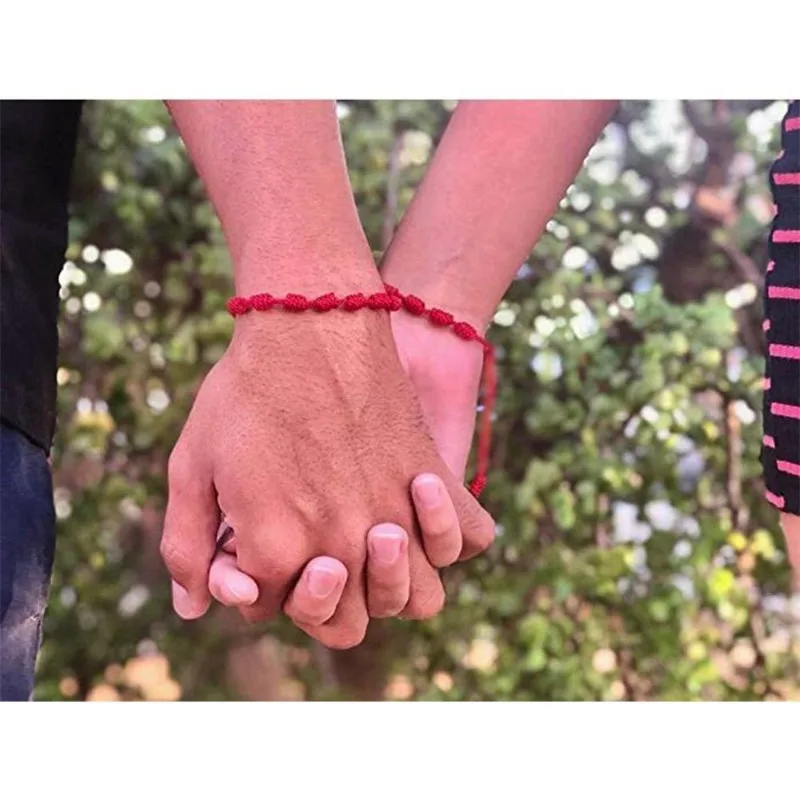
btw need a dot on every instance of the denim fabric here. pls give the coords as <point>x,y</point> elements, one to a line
<point>27,544</point>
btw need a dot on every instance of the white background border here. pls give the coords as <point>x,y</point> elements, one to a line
<point>410,49</point>
<point>413,751</point>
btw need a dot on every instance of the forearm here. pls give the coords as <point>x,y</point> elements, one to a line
<point>276,174</point>
<point>495,181</point>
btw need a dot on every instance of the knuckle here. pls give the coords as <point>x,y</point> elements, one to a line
<point>427,602</point>
<point>384,609</point>
<point>481,535</point>
<point>259,557</point>
<point>487,533</point>
<point>177,559</point>
<point>445,557</point>
<point>346,637</point>
<point>308,617</point>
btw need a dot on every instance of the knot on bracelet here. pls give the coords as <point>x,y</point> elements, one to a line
<point>392,299</point>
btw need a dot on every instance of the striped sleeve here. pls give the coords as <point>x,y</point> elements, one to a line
<point>780,452</point>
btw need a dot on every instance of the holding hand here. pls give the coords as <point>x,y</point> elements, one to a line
<point>445,371</point>
<point>315,597</point>
<point>301,462</point>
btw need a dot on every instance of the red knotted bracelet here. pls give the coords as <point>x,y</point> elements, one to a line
<point>393,300</point>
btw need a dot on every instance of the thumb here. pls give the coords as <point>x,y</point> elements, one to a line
<point>190,526</point>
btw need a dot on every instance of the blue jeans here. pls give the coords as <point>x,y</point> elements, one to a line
<point>27,544</point>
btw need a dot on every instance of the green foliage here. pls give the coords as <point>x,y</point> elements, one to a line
<point>636,557</point>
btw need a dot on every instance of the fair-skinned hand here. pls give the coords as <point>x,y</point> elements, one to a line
<point>302,457</point>
<point>315,597</point>
<point>446,373</point>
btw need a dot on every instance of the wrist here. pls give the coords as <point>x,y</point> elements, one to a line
<point>310,266</point>
<point>436,359</point>
<point>329,349</point>
<point>445,372</point>
<point>442,286</point>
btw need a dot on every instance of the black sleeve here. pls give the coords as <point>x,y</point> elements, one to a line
<point>780,453</point>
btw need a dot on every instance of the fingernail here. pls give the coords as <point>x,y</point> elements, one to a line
<point>385,549</point>
<point>427,491</point>
<point>321,582</point>
<point>182,603</point>
<point>241,589</point>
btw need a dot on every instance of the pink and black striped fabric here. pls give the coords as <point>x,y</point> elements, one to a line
<point>780,452</point>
